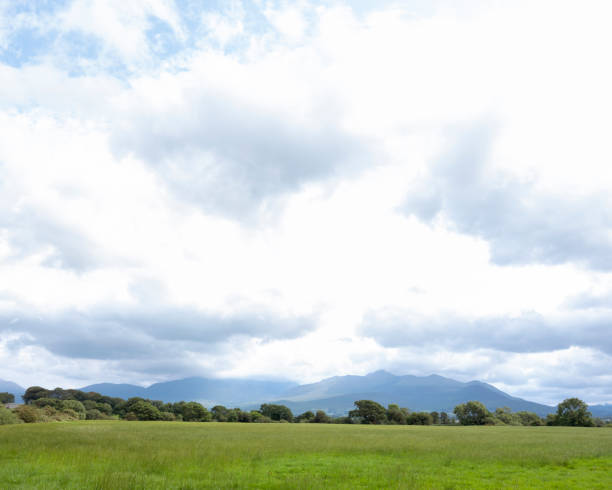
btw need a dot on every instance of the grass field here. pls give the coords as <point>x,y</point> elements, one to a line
<point>116,455</point>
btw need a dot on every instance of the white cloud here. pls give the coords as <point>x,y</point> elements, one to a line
<point>269,176</point>
<point>122,26</point>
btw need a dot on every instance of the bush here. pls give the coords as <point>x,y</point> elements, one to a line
<point>94,414</point>
<point>28,414</point>
<point>71,413</point>
<point>343,420</point>
<point>7,417</point>
<point>48,402</point>
<point>261,419</point>
<point>168,416</point>
<point>75,405</point>
<point>529,418</point>
<point>419,418</point>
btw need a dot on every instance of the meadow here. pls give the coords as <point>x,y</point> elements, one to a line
<point>147,455</point>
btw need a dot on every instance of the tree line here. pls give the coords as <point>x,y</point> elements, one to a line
<point>43,405</point>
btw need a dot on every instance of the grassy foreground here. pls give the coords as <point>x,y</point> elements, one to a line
<point>115,455</point>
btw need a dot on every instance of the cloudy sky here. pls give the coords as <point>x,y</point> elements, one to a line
<point>267,188</point>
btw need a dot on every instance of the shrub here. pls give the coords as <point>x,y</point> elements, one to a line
<point>28,414</point>
<point>8,417</point>
<point>75,405</point>
<point>343,420</point>
<point>168,416</point>
<point>419,418</point>
<point>94,414</point>
<point>71,414</point>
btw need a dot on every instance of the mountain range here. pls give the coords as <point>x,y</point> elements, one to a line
<point>419,393</point>
<point>334,395</point>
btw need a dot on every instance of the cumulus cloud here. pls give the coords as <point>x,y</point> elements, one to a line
<point>529,332</point>
<point>162,333</point>
<point>139,140</point>
<point>227,153</point>
<point>522,224</point>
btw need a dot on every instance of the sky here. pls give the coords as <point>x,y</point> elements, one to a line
<point>295,190</point>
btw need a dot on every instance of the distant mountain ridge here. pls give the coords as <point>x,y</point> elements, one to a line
<point>418,393</point>
<point>334,395</point>
<point>204,390</point>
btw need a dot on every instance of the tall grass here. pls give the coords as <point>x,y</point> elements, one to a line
<point>115,455</point>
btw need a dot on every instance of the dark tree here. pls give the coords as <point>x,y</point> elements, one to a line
<point>369,412</point>
<point>195,412</point>
<point>397,415</point>
<point>219,413</point>
<point>419,418</point>
<point>143,410</point>
<point>305,417</point>
<point>435,417</point>
<point>7,397</point>
<point>276,412</point>
<point>321,418</point>
<point>444,418</point>
<point>529,418</point>
<point>34,393</point>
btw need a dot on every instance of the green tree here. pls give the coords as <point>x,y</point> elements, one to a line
<point>143,410</point>
<point>471,413</point>
<point>321,418</point>
<point>435,417</point>
<point>276,412</point>
<point>419,418</point>
<point>168,416</point>
<point>7,397</point>
<point>505,415</point>
<point>444,420</point>
<point>305,417</point>
<point>529,418</point>
<point>370,412</point>
<point>48,402</point>
<point>195,412</point>
<point>573,412</point>
<point>34,393</point>
<point>219,413</point>
<point>396,415</point>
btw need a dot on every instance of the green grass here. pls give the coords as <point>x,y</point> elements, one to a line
<point>116,455</point>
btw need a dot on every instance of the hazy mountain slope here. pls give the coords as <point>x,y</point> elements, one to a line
<point>336,395</point>
<point>10,387</point>
<point>227,391</point>
<point>604,411</point>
